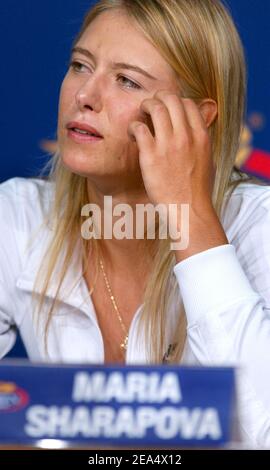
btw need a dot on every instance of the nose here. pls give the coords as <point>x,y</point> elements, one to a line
<point>88,96</point>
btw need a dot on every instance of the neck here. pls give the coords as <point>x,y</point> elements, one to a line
<point>117,209</point>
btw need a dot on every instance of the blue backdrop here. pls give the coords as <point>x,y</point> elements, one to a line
<point>36,38</point>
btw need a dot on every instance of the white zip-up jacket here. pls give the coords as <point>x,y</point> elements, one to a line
<point>225,290</point>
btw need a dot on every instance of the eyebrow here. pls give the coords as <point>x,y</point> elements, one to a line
<point>114,65</point>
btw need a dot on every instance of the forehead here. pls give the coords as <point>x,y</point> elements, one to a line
<point>114,36</point>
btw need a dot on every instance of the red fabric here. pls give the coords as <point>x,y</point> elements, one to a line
<point>258,163</point>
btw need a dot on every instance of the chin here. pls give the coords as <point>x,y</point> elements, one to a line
<point>81,164</point>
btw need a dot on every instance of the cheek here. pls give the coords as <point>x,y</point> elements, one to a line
<point>125,114</point>
<point>65,107</point>
<point>122,114</point>
<point>120,144</point>
<point>66,97</point>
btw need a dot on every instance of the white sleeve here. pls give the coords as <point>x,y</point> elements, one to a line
<point>9,262</point>
<point>226,294</point>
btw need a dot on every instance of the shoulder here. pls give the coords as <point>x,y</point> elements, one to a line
<point>25,198</point>
<point>247,226</point>
<point>248,205</point>
<point>26,189</point>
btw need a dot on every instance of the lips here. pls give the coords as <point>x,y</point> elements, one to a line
<point>83,129</point>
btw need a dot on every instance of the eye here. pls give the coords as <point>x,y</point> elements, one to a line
<point>80,68</point>
<point>77,66</point>
<point>128,81</point>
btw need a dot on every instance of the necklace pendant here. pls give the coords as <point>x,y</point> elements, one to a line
<point>124,344</point>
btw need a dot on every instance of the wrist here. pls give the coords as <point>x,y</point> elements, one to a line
<point>204,231</point>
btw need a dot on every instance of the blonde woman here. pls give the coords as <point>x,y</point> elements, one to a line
<point>150,113</point>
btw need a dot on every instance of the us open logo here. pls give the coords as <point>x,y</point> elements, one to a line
<point>12,397</point>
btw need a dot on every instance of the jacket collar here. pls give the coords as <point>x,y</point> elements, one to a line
<point>73,291</point>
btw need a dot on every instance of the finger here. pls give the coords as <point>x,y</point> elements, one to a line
<point>141,133</point>
<point>195,118</point>
<point>159,114</point>
<point>177,112</point>
<point>185,115</point>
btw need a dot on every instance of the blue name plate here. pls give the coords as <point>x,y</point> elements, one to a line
<point>135,405</point>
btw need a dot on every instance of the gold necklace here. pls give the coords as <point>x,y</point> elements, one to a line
<point>124,344</point>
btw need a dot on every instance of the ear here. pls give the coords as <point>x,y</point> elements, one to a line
<point>208,110</point>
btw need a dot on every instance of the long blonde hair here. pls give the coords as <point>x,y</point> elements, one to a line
<point>200,42</point>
